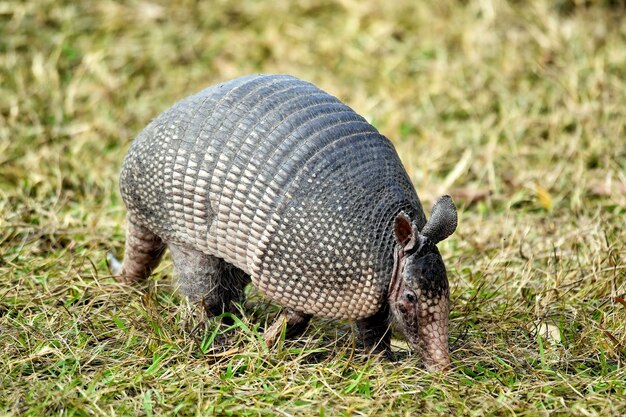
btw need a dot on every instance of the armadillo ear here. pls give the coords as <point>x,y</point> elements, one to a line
<point>443,220</point>
<point>404,231</point>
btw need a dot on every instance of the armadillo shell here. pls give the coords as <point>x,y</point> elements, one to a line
<point>282,180</point>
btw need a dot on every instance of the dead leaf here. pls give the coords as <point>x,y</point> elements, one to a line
<point>607,188</point>
<point>549,332</point>
<point>470,195</point>
<point>544,197</point>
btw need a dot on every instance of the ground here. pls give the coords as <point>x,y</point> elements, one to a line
<point>515,108</point>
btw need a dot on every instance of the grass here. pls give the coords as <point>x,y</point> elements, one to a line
<point>517,109</point>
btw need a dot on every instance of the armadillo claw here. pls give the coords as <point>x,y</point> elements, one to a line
<point>272,334</point>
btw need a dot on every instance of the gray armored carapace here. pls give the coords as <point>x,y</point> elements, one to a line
<point>269,178</point>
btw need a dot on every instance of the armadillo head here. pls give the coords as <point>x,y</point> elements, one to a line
<point>419,292</point>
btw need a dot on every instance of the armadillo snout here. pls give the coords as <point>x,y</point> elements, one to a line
<point>433,335</point>
<point>435,354</point>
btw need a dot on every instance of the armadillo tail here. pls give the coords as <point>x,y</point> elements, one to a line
<point>115,266</point>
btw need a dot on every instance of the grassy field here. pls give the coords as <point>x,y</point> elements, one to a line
<point>517,109</point>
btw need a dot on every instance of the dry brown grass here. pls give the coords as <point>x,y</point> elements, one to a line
<point>515,108</point>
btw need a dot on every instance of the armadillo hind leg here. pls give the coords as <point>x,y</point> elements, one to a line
<point>296,324</point>
<point>375,332</point>
<point>142,253</point>
<point>208,280</point>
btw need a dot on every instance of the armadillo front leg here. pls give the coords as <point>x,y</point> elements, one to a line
<point>375,333</point>
<point>208,279</point>
<point>296,324</point>
<point>142,253</point>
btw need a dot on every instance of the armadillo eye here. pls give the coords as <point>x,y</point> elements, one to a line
<point>410,296</point>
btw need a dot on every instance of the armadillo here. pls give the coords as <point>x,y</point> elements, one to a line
<point>269,179</point>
